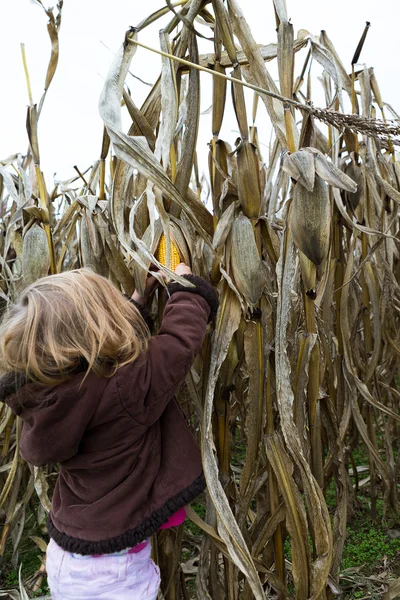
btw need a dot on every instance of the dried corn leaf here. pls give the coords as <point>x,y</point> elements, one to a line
<point>192,100</point>
<point>139,120</point>
<point>325,58</point>
<point>300,166</point>
<point>224,29</point>
<point>375,88</point>
<point>228,320</point>
<point>366,95</point>
<point>180,242</point>
<point>118,268</point>
<point>296,520</point>
<point>169,105</point>
<point>42,488</point>
<point>285,57</point>
<point>8,182</point>
<point>346,80</point>
<point>31,127</point>
<point>332,175</point>
<point>393,590</point>
<point>111,94</point>
<point>223,227</point>
<point>281,10</point>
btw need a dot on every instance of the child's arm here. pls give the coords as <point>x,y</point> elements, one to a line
<point>146,386</point>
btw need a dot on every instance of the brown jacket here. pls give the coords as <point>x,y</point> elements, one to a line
<point>128,459</point>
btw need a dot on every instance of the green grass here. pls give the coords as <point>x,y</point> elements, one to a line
<point>367,545</point>
<point>238,448</point>
<point>29,558</point>
<point>330,495</point>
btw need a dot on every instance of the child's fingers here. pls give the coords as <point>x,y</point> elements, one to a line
<point>183,269</point>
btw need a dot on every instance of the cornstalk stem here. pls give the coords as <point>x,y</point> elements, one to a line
<point>46,218</point>
<point>368,351</point>
<point>314,415</point>
<point>338,255</point>
<point>289,129</point>
<point>102,191</point>
<point>173,162</point>
<point>353,106</point>
<point>277,538</point>
<point>365,299</point>
<point>314,420</point>
<point>28,81</point>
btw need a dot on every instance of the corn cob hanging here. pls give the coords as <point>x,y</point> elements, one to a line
<point>161,254</point>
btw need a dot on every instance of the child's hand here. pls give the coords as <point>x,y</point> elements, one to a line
<point>151,285</point>
<point>183,269</point>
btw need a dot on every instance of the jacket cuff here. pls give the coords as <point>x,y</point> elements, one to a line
<point>144,313</point>
<point>203,289</point>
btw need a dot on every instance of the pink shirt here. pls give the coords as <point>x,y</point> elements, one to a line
<point>176,519</point>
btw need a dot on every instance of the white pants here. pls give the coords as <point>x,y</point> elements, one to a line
<point>106,577</point>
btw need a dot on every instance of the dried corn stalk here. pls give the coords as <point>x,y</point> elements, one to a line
<point>300,369</point>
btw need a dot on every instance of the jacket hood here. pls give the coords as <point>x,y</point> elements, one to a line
<point>11,384</point>
<point>17,387</point>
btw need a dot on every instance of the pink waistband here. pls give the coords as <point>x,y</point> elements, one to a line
<point>176,519</point>
<point>138,548</point>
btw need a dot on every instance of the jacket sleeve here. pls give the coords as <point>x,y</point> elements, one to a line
<point>146,386</point>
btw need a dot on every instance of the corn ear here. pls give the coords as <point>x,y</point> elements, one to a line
<point>219,98</point>
<point>161,254</point>
<point>310,220</point>
<point>35,254</point>
<point>239,104</point>
<point>249,181</point>
<point>247,268</point>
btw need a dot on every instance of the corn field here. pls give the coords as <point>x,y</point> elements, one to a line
<point>300,369</point>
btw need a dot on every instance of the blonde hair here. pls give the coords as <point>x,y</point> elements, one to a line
<point>64,320</point>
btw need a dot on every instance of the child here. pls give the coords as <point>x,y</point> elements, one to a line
<point>96,395</point>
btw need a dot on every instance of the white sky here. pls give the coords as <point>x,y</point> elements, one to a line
<point>70,128</point>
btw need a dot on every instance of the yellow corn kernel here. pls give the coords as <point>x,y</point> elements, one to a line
<point>161,254</point>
